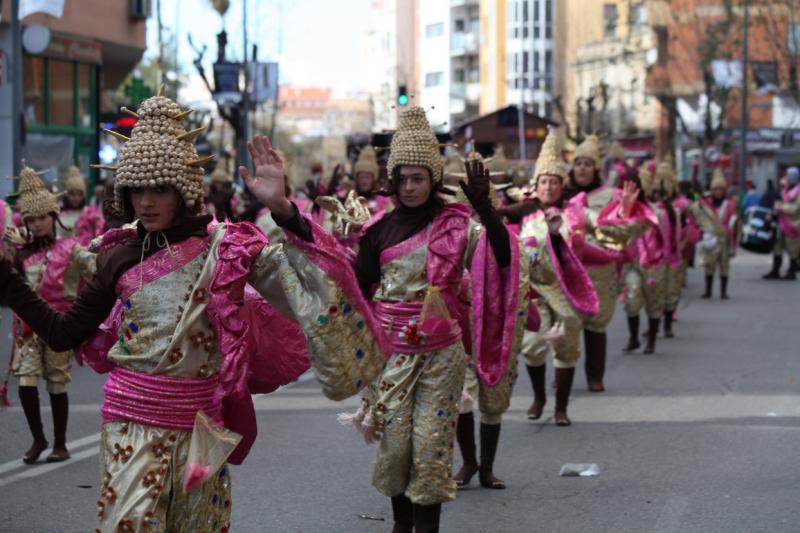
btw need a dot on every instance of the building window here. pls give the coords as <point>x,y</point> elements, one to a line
<point>639,16</point>
<point>62,89</point>
<point>525,62</point>
<point>548,11</point>
<point>459,75</point>
<point>793,39</point>
<point>459,25</point>
<point>434,79</point>
<point>474,75</point>
<point>34,88</point>
<point>536,61</point>
<point>609,21</point>
<point>525,12</point>
<point>434,30</point>
<point>548,62</point>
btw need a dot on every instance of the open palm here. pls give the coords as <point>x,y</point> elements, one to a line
<point>268,185</point>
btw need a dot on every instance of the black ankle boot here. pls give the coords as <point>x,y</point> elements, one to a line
<point>29,398</point>
<point>426,518</point>
<point>668,313</point>
<point>537,375</point>
<point>564,377</point>
<point>651,336</point>
<point>465,436</point>
<point>490,436</point>
<point>723,287</point>
<point>777,260</point>
<point>403,513</point>
<point>709,284</point>
<point>60,406</point>
<point>595,364</point>
<point>633,332</point>
<point>791,273</point>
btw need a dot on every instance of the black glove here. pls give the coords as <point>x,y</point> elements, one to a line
<point>476,189</point>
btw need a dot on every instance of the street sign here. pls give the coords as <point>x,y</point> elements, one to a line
<point>264,82</point>
<point>227,89</point>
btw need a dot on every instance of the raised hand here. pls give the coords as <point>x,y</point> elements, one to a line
<point>630,193</point>
<point>268,185</point>
<point>476,189</point>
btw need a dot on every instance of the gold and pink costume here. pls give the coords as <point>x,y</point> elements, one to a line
<point>415,401</point>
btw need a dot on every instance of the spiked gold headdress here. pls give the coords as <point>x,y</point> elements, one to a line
<point>590,149</point>
<point>220,175</point>
<point>647,178</point>
<point>550,159</point>
<point>34,198</point>
<point>665,173</point>
<point>74,180</point>
<point>718,179</point>
<point>414,144</point>
<point>160,152</point>
<point>367,162</point>
<point>616,151</point>
<point>498,164</point>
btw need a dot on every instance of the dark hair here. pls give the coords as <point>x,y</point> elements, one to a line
<point>56,221</point>
<point>128,214</point>
<point>436,188</point>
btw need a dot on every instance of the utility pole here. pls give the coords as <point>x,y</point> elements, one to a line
<point>745,115</point>
<point>242,148</point>
<point>16,90</point>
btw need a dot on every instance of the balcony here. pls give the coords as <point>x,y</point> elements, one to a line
<point>463,44</point>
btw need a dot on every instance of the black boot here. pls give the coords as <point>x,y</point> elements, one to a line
<point>775,273</point>
<point>426,518</point>
<point>537,374</point>
<point>490,436</point>
<point>723,287</point>
<point>633,332</point>
<point>29,398</point>
<point>60,406</point>
<point>465,435</point>
<point>709,283</point>
<point>651,337</point>
<point>403,513</point>
<point>791,273</point>
<point>668,313</point>
<point>564,377</point>
<point>595,364</point>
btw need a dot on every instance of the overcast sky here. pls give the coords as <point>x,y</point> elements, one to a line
<point>320,44</point>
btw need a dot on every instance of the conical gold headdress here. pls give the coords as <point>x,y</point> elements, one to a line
<point>74,180</point>
<point>35,199</point>
<point>590,149</point>
<point>414,144</point>
<point>367,162</point>
<point>550,161</point>
<point>718,179</point>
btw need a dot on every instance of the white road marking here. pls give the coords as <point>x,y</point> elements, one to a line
<point>72,445</point>
<point>46,468</point>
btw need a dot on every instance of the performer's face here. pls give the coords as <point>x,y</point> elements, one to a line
<point>365,182</point>
<point>548,189</point>
<point>583,169</point>
<point>75,198</point>
<point>499,179</point>
<point>718,192</point>
<point>414,186</point>
<point>40,226</point>
<point>155,207</point>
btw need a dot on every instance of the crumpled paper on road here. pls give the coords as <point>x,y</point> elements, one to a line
<point>579,470</point>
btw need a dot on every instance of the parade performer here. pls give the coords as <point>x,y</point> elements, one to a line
<point>685,234</point>
<point>563,297</point>
<point>412,263</point>
<point>788,237</point>
<point>716,217</point>
<point>221,197</point>
<point>601,252</point>
<point>181,369</point>
<point>78,219</point>
<point>53,268</point>
<point>645,275</point>
<point>366,173</point>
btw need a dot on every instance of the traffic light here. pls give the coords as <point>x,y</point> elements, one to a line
<point>402,95</point>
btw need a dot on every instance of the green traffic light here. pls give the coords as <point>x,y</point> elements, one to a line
<point>402,99</point>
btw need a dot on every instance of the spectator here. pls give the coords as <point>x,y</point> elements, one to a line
<point>751,197</point>
<point>769,198</point>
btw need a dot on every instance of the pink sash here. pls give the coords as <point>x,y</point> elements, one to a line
<point>159,401</point>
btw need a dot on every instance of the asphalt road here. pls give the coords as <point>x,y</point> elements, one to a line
<point>702,436</point>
